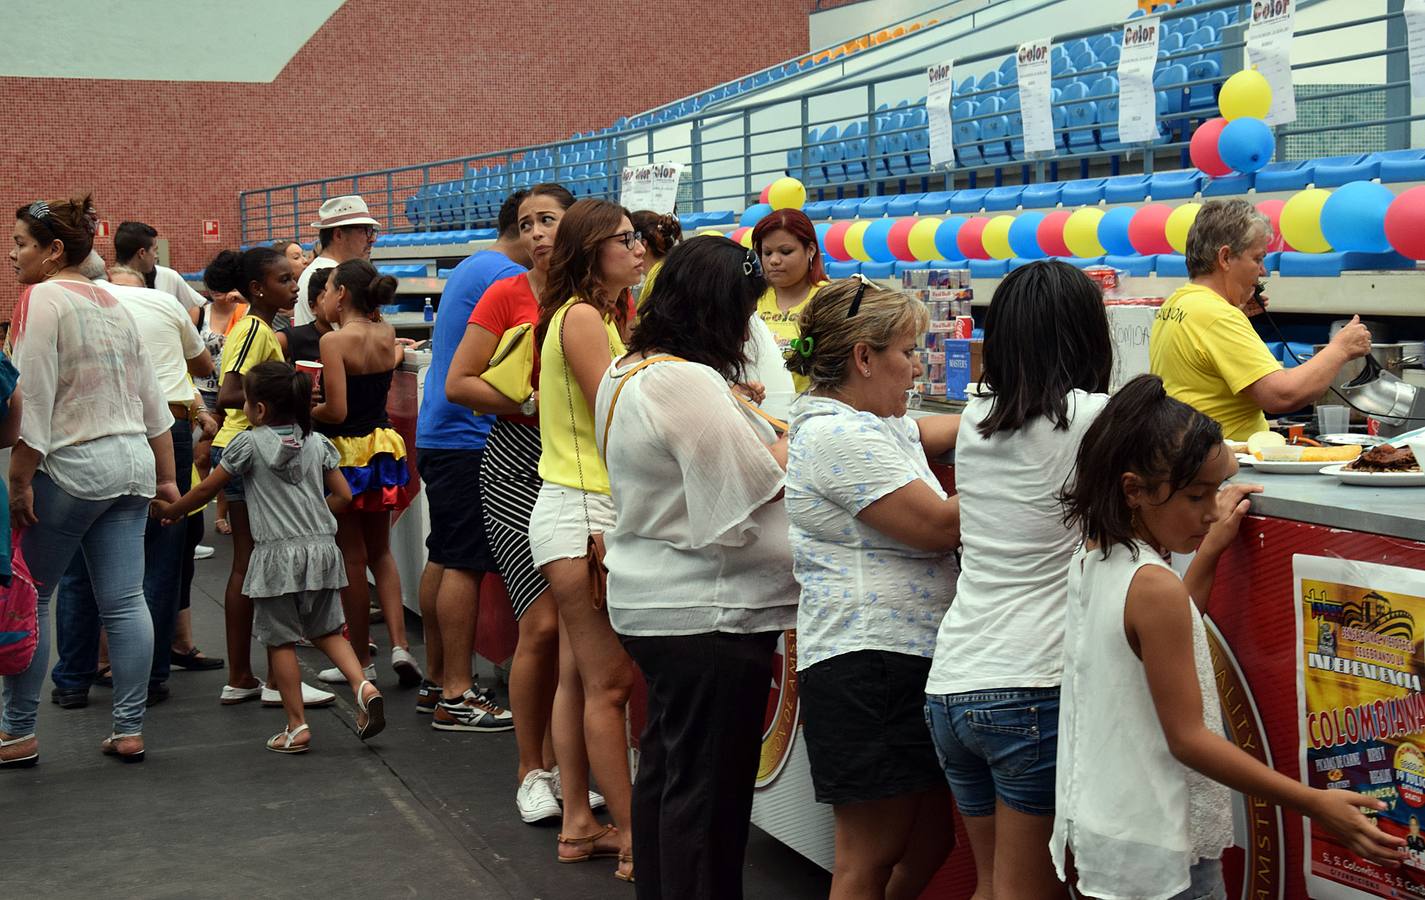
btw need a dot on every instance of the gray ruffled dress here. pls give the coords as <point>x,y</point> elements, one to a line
<point>294,556</point>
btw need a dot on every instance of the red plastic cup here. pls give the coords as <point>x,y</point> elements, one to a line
<point>314,372</point>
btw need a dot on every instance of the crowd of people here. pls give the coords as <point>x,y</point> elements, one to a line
<point>1018,647</point>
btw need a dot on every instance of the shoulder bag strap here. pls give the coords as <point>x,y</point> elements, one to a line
<point>623,380</point>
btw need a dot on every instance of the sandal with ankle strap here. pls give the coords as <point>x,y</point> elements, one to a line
<point>283,742</point>
<point>619,873</point>
<point>375,710</point>
<point>110,747</point>
<point>592,840</point>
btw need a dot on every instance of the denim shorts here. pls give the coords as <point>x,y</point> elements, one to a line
<point>997,745</point>
<point>233,489</point>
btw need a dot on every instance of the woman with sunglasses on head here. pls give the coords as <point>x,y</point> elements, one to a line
<point>785,242</point>
<point>584,311</point>
<point>873,535</point>
<point>700,582</point>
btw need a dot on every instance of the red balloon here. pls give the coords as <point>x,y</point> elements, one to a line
<point>1050,233</point>
<point>836,240</point>
<point>968,238</point>
<point>1405,223</point>
<point>736,234</point>
<point>1202,150</point>
<point>767,192</point>
<point>1272,209</point>
<point>899,239</point>
<point>1147,230</point>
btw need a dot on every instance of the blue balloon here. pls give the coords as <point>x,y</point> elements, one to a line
<point>754,214</point>
<point>876,240</point>
<point>1113,231</point>
<point>945,238</point>
<point>1023,239</point>
<point>821,229</point>
<point>1246,144</point>
<point>1354,217</point>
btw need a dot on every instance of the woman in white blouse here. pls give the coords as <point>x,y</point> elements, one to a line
<point>700,581</point>
<point>872,535</point>
<point>94,449</point>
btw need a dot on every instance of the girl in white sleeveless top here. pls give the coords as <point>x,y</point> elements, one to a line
<point>1142,790</point>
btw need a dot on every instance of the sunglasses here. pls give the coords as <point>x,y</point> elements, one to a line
<point>752,265</point>
<point>860,292</point>
<point>627,238</point>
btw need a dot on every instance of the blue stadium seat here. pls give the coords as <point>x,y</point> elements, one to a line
<point>835,268</point>
<point>846,209</point>
<point>1108,125</point>
<point>1126,189</point>
<point>873,207</point>
<point>878,269</point>
<point>1372,165</point>
<point>1203,96</point>
<point>969,200</point>
<point>1294,263</point>
<point>1402,165</point>
<point>965,135</point>
<point>819,209</point>
<point>1041,196</point>
<point>1170,265</point>
<point>935,204</point>
<point>1083,114</point>
<point>904,204</point>
<point>1176,185</point>
<point>1085,192</point>
<point>1169,43</point>
<point>1302,175</point>
<point>1003,198</point>
<point>903,266</point>
<point>989,268</point>
<point>994,133</point>
<point>1132,265</point>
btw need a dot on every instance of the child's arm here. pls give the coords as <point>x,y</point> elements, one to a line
<point>938,434</point>
<point>332,409</point>
<point>1232,507</point>
<point>1157,622</point>
<point>338,492</point>
<point>201,494</point>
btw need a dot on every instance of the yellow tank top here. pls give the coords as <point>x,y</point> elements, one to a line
<point>784,325</point>
<point>559,432</point>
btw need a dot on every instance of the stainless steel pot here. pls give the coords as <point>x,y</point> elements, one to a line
<point>1388,357</point>
<point>1381,394</point>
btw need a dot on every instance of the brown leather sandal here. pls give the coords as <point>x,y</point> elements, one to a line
<point>588,842</point>
<point>619,873</point>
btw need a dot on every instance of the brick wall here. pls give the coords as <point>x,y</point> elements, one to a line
<point>383,83</point>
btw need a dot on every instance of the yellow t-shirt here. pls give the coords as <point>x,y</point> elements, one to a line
<point>784,325</point>
<point>1206,352</point>
<point>646,289</point>
<point>250,342</point>
<point>559,392</point>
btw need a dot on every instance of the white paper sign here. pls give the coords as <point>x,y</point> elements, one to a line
<point>1137,101</point>
<point>938,98</point>
<point>1035,102</point>
<point>1269,52</point>
<point>1415,37</point>
<point>653,187</point>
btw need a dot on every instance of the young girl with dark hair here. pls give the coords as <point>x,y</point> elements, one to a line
<point>358,362</point>
<point>696,474</point>
<point>295,569</point>
<point>661,233</point>
<point>265,280</point>
<point>1139,706</point>
<point>993,691</point>
<point>785,241</point>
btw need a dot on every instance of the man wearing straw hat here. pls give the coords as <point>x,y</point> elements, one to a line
<point>345,231</point>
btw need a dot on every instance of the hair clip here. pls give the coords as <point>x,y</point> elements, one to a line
<point>803,346</point>
<point>39,209</point>
<point>860,292</point>
<point>752,264</point>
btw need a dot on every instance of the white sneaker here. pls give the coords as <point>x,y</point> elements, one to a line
<point>535,798</point>
<point>596,800</point>
<point>310,696</point>
<point>334,676</point>
<point>203,551</point>
<point>407,669</point>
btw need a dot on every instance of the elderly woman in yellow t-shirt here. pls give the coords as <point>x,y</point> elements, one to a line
<point>1206,351</point>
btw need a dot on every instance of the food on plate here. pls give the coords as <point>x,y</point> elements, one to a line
<point>1308,454</point>
<point>1386,458</point>
<point>1237,446</point>
<point>1262,439</point>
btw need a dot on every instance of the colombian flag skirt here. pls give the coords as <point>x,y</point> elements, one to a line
<point>374,465</point>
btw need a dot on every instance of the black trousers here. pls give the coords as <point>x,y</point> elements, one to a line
<point>692,800</point>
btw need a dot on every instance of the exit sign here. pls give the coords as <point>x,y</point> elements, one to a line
<point>212,232</point>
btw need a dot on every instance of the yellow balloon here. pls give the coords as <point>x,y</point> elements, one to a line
<point>1081,232</point>
<point>856,240</point>
<point>1246,95</point>
<point>746,239</point>
<point>922,239</point>
<point>1179,224</point>
<point>713,231</point>
<point>1301,221</point>
<point>995,237</point>
<point>787,193</point>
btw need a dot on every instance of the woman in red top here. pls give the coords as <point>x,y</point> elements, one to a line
<point>509,485</point>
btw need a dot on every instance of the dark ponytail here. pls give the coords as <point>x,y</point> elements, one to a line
<point>72,222</point>
<point>660,232</point>
<point>286,391</point>
<point>369,290</point>
<point>234,270</point>
<point>1144,431</point>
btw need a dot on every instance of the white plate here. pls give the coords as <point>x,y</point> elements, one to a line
<point>1345,440</point>
<point>1246,459</point>
<point>1375,479</point>
<point>1281,467</point>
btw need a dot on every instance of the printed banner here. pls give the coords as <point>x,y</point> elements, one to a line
<point>1035,102</point>
<point>1361,714</point>
<point>653,187</point>
<point>939,95</point>
<point>1415,38</point>
<point>1269,52</point>
<point>1137,101</point>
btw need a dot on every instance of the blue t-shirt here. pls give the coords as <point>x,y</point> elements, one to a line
<point>443,425</point>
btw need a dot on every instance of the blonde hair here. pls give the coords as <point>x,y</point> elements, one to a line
<point>116,271</point>
<point>823,352</point>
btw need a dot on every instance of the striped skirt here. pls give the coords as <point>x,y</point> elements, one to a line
<point>509,486</point>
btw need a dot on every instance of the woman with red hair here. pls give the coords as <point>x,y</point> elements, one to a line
<point>785,242</point>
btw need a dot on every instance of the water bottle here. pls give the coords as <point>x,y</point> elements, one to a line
<point>428,312</point>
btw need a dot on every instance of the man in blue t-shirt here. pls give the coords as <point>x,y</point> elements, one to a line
<point>450,444</point>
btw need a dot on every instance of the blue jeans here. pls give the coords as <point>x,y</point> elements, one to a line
<point>108,536</point>
<point>77,613</point>
<point>997,745</point>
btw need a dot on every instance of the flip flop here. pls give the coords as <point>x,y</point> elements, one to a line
<point>282,743</point>
<point>222,526</point>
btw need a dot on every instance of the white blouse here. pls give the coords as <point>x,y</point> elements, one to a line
<point>699,544</point>
<point>91,398</point>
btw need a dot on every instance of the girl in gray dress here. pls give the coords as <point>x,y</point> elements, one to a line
<point>296,572</point>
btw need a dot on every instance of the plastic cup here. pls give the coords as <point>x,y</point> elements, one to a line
<point>314,372</point>
<point>1332,419</point>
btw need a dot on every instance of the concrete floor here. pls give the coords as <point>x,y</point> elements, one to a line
<point>211,813</point>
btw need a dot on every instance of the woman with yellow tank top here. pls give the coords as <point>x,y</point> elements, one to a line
<point>786,242</point>
<point>584,311</point>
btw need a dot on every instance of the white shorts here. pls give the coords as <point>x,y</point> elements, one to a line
<point>557,526</point>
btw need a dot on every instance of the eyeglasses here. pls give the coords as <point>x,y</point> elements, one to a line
<point>627,238</point>
<point>860,292</point>
<point>752,265</point>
